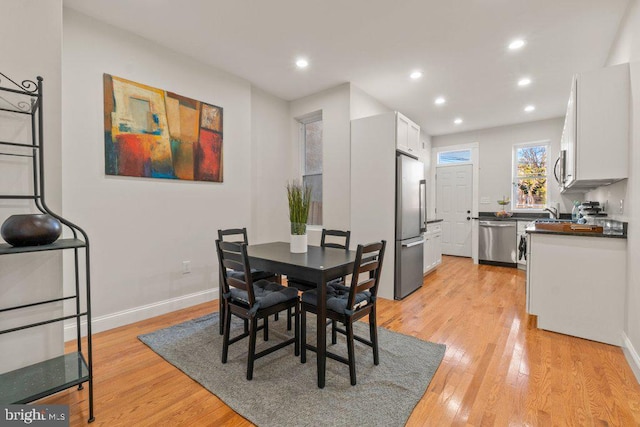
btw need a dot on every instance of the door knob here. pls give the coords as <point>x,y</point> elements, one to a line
<point>468,218</point>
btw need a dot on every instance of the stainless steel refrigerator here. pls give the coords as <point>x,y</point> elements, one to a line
<point>411,222</point>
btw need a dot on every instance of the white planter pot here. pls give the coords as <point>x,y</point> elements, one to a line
<point>298,243</point>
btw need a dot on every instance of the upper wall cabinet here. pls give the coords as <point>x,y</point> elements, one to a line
<point>595,138</point>
<point>408,136</point>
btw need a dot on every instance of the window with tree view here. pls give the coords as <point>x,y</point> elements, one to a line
<point>529,176</point>
<point>311,135</point>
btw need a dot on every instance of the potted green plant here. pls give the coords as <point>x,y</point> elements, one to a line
<point>299,196</point>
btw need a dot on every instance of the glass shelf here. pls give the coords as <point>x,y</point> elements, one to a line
<point>59,244</point>
<point>33,382</point>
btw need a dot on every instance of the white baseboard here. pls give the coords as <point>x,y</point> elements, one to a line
<point>132,315</point>
<point>632,356</point>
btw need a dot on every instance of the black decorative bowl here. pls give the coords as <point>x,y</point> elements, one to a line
<point>31,230</point>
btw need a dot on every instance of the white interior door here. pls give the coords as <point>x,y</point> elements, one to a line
<point>454,199</point>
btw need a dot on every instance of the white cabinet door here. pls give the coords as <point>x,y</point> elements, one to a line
<point>413,139</point>
<point>425,263</point>
<point>437,246</point>
<point>432,248</point>
<point>402,141</point>
<point>407,135</point>
<point>596,131</point>
<point>568,142</point>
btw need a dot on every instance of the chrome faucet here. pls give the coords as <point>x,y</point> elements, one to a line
<point>553,212</point>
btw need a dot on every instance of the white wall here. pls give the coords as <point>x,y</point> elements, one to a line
<point>141,230</point>
<point>270,157</point>
<point>627,49</point>
<point>362,104</point>
<point>496,146</point>
<point>335,106</point>
<point>31,34</point>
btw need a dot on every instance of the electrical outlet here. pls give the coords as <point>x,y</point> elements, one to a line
<point>484,200</point>
<point>186,267</point>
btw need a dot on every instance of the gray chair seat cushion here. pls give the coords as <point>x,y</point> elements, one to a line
<point>337,298</point>
<point>266,293</point>
<point>255,274</point>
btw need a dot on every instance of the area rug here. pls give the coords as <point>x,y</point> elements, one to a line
<point>284,391</point>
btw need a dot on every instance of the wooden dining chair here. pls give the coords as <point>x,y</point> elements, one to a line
<point>240,235</point>
<point>345,237</point>
<point>252,300</point>
<point>349,304</point>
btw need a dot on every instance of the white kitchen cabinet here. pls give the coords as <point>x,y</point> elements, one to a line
<point>407,135</point>
<point>432,247</point>
<point>595,137</point>
<point>428,253</point>
<point>437,244</point>
<point>576,285</point>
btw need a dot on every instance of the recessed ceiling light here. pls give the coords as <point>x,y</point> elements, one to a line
<point>302,63</point>
<point>529,108</point>
<point>416,75</point>
<point>525,81</point>
<point>458,121</point>
<point>440,100</point>
<point>516,44</point>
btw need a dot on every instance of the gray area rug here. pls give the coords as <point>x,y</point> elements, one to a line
<point>284,392</point>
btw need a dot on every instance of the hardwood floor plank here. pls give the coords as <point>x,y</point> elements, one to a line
<point>498,369</point>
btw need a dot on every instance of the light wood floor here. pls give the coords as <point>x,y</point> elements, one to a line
<point>498,369</point>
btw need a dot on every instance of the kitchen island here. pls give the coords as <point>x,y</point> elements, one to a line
<point>576,283</point>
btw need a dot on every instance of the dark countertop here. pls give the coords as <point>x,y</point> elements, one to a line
<point>512,218</point>
<point>533,230</point>
<point>517,216</point>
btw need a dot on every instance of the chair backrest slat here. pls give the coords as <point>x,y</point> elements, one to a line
<point>233,264</point>
<point>232,281</point>
<point>368,266</point>
<point>233,232</point>
<point>369,259</point>
<point>365,285</point>
<point>346,235</point>
<point>233,256</point>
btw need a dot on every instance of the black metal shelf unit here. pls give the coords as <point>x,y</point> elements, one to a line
<point>42,379</point>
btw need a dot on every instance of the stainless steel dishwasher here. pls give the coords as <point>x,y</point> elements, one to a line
<point>498,243</point>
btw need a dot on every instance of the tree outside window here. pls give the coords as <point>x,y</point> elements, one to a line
<point>530,177</point>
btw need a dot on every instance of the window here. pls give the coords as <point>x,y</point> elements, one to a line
<point>529,176</point>
<point>311,142</point>
<point>453,157</point>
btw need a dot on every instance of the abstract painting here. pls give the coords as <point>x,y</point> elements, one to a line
<point>153,133</point>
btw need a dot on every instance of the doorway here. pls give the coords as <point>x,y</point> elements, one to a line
<point>454,205</point>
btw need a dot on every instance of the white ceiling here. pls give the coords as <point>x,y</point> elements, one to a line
<point>460,45</point>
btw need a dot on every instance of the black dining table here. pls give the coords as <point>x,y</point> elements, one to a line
<point>318,265</point>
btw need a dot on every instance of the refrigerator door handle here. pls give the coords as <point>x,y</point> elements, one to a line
<point>423,205</point>
<point>412,244</point>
